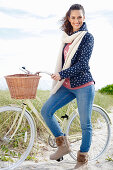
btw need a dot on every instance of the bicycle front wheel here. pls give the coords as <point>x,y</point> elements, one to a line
<point>14,148</point>
<point>100,133</point>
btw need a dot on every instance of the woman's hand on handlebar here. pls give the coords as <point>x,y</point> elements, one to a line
<point>53,76</point>
<point>56,76</point>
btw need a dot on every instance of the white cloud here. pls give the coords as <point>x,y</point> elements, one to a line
<point>35,53</point>
<point>101,60</point>
<point>41,7</point>
<point>27,24</point>
<point>58,7</point>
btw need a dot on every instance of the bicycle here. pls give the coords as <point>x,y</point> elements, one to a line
<point>18,131</point>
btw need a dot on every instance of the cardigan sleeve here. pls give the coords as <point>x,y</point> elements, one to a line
<point>84,53</point>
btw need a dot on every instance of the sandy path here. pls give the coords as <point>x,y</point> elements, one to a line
<point>68,163</point>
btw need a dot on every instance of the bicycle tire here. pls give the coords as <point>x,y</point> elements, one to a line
<point>100,135</point>
<point>14,151</point>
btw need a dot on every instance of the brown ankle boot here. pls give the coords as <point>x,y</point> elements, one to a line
<point>62,148</point>
<point>82,159</point>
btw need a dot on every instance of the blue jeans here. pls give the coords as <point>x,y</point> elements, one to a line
<point>84,97</point>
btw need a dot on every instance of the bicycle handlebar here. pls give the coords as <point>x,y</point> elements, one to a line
<point>44,72</point>
<point>28,72</point>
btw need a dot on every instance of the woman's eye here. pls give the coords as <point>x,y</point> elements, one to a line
<point>79,17</point>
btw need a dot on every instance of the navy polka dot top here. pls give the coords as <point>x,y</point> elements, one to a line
<point>79,71</point>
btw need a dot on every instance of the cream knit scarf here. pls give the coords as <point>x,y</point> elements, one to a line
<point>75,39</point>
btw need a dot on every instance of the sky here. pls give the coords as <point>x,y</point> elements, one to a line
<point>30,36</point>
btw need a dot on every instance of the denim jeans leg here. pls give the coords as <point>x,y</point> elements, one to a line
<point>85,97</point>
<point>55,102</point>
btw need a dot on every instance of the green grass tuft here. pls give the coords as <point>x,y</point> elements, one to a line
<point>107,89</point>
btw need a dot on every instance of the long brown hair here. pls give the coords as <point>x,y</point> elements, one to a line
<point>66,26</point>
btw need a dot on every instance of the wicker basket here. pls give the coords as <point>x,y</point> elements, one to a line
<point>22,86</point>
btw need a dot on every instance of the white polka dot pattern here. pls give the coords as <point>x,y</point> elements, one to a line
<point>79,71</point>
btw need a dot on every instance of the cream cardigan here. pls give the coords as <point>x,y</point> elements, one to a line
<point>75,39</point>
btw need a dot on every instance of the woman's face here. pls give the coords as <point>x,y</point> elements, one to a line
<point>76,19</point>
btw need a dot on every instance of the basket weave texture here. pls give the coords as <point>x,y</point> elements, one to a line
<point>22,86</point>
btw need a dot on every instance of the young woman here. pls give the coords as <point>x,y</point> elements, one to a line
<point>72,79</point>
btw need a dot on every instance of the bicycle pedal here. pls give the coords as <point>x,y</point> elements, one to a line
<point>60,159</point>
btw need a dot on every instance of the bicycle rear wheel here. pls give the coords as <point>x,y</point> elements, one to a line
<point>100,134</point>
<point>13,151</point>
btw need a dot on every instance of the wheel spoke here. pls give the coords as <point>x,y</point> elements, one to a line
<point>14,151</point>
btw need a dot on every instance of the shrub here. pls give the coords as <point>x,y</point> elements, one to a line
<point>107,89</point>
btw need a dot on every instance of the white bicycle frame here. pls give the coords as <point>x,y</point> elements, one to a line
<point>28,103</point>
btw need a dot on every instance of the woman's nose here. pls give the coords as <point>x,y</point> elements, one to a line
<point>75,20</point>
